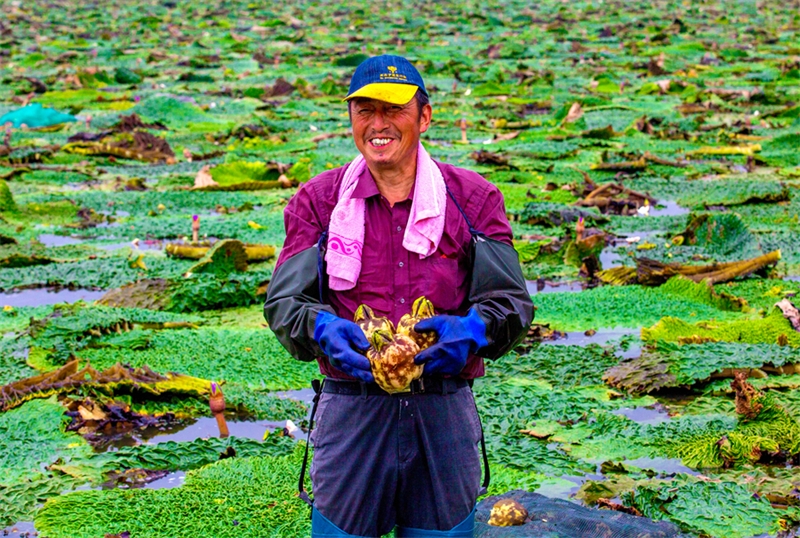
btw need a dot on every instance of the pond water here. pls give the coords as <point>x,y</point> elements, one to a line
<point>45,296</point>
<point>645,415</point>
<point>609,257</point>
<point>670,208</point>
<point>191,429</point>
<point>53,240</point>
<point>23,529</point>
<point>304,395</point>
<point>601,336</point>
<point>150,244</point>
<point>661,465</point>
<point>172,480</point>
<point>544,286</point>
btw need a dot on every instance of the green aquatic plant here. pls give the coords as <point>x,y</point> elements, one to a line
<point>668,364</point>
<point>236,497</point>
<point>250,356</point>
<point>70,328</point>
<point>626,306</point>
<point>33,438</point>
<point>711,508</point>
<point>764,430</point>
<point>225,257</point>
<point>243,175</point>
<point>7,203</point>
<point>560,365</point>
<point>770,329</point>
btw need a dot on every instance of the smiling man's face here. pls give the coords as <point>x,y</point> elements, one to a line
<point>387,135</point>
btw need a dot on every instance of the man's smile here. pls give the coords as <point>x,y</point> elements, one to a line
<point>380,142</point>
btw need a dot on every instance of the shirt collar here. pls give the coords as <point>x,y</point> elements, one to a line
<point>367,188</point>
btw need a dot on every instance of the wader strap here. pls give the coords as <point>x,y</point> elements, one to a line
<point>321,264</point>
<point>486,476</point>
<point>472,230</point>
<point>316,384</point>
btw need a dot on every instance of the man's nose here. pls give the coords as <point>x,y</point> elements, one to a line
<point>379,122</point>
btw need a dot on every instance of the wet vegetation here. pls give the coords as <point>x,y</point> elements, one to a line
<point>648,157</point>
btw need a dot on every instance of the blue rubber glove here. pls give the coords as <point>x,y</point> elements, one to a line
<point>458,337</point>
<point>340,339</point>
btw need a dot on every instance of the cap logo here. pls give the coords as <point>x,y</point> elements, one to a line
<point>393,74</point>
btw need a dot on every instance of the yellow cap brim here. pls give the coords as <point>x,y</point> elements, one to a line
<point>390,92</point>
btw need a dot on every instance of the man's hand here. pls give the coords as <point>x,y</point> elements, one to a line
<point>340,339</point>
<point>458,337</point>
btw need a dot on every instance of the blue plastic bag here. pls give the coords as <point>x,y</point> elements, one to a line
<point>35,116</point>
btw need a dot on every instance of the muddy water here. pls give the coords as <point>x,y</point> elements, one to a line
<point>45,296</point>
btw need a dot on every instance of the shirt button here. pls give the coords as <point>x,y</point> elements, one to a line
<point>399,228</point>
<point>401,264</point>
<point>402,301</point>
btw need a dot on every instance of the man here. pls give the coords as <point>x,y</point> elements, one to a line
<point>388,228</point>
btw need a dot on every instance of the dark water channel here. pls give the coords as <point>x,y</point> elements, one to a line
<point>46,296</point>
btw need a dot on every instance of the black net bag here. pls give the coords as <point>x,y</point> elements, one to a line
<point>557,518</point>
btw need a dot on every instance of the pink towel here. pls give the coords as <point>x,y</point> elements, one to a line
<point>346,231</point>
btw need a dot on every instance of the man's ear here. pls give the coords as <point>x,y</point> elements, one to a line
<point>425,118</point>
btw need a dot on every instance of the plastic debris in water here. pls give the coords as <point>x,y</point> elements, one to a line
<point>217,404</point>
<point>645,209</point>
<point>291,429</point>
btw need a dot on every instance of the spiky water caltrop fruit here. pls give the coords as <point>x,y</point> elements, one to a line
<point>507,513</point>
<point>369,322</point>
<point>392,360</point>
<point>421,309</point>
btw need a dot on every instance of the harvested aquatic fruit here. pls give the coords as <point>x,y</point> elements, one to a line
<point>421,309</point>
<point>392,360</point>
<point>369,322</point>
<point>508,513</point>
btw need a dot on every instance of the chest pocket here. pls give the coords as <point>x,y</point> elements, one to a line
<point>442,278</point>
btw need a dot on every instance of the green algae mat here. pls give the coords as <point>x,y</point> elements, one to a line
<point>647,153</point>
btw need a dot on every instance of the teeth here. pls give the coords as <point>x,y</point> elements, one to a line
<point>380,141</point>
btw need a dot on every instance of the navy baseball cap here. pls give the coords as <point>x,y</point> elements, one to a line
<point>386,78</point>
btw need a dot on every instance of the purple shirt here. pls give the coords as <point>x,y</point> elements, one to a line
<point>391,277</point>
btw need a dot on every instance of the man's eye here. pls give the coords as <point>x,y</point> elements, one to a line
<point>396,108</point>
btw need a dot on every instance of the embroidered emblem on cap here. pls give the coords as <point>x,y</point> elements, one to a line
<point>392,74</point>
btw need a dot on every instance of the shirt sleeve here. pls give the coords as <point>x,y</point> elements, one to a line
<point>293,295</point>
<point>303,222</point>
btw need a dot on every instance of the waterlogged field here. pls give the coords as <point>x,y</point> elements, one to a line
<point>648,155</point>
